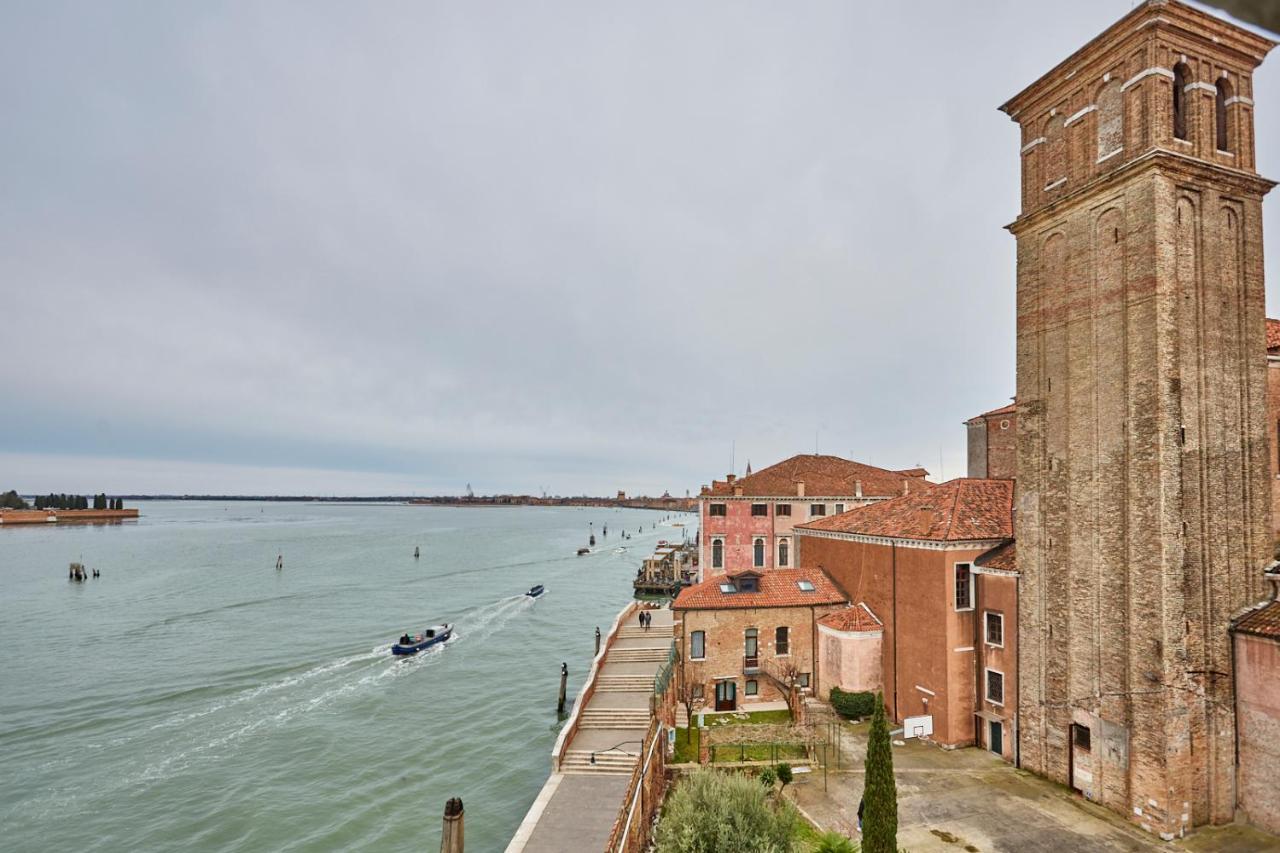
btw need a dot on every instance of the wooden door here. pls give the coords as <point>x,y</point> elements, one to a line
<point>726,696</point>
<point>995,740</point>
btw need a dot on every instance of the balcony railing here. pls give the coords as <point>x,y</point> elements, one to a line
<point>750,664</point>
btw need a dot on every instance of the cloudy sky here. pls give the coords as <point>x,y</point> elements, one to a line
<point>336,247</point>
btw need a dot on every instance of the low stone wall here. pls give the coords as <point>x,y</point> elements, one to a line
<point>634,825</point>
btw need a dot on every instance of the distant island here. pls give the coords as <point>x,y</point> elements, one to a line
<point>62,507</point>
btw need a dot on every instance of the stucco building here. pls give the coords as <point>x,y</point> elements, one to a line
<point>1256,639</point>
<point>746,523</point>
<point>947,644</point>
<point>1143,510</point>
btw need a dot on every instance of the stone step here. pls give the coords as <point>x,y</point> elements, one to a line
<point>645,686</point>
<point>616,714</point>
<point>654,655</point>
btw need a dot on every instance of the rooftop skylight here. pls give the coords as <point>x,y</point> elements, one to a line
<point>805,586</point>
<point>728,588</point>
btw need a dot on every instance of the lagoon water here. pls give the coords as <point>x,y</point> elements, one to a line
<point>193,697</point>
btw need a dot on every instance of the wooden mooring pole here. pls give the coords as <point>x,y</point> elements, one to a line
<point>597,640</point>
<point>564,683</point>
<point>451,837</point>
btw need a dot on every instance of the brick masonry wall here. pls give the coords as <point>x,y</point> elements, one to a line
<point>1002,446</point>
<point>1144,513</point>
<point>1258,711</point>
<point>725,648</point>
<point>1273,431</point>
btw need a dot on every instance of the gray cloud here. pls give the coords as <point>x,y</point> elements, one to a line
<point>583,246</point>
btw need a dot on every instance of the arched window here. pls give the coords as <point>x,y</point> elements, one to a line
<point>759,553</point>
<point>784,553</point>
<point>1055,155</point>
<point>1220,114</point>
<point>717,553</point>
<point>1110,119</point>
<point>1180,101</point>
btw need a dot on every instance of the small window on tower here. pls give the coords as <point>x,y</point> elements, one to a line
<point>1180,101</point>
<point>1220,115</point>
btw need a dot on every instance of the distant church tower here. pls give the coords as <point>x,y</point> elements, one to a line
<point>1143,499</point>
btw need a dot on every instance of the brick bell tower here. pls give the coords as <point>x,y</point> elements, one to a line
<point>1143,499</point>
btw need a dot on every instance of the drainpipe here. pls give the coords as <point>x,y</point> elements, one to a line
<point>813,649</point>
<point>979,652</point>
<point>1017,670</point>
<point>893,549</point>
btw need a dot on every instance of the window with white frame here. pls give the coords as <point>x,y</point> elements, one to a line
<point>784,553</point>
<point>816,510</point>
<point>759,509</point>
<point>802,679</point>
<point>994,628</point>
<point>782,640</point>
<point>782,509</point>
<point>716,509</point>
<point>839,508</point>
<point>753,687</point>
<point>695,691</point>
<point>758,553</point>
<point>995,686</point>
<point>964,586</point>
<point>717,553</point>
<point>698,645</point>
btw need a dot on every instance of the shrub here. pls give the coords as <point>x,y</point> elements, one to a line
<point>784,773</point>
<point>711,812</point>
<point>768,778</point>
<point>834,842</point>
<point>853,705</point>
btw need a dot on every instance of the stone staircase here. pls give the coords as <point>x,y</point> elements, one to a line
<point>624,683</point>
<point>614,718</point>
<point>657,654</point>
<point>612,762</point>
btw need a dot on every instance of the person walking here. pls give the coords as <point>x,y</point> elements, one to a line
<point>640,617</point>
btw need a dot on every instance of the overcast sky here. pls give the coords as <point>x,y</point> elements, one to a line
<point>334,247</point>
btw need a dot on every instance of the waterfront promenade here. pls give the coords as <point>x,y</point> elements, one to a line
<point>600,745</point>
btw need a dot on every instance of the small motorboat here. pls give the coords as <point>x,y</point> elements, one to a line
<point>536,591</point>
<point>582,551</point>
<point>408,645</point>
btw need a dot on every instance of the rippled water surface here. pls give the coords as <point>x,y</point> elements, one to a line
<point>195,697</point>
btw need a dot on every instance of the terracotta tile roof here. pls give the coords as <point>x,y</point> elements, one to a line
<point>856,618</point>
<point>1010,409</point>
<point>913,472</point>
<point>777,588</point>
<point>1004,557</point>
<point>823,476</point>
<point>1264,621</point>
<point>1273,334</point>
<point>957,510</point>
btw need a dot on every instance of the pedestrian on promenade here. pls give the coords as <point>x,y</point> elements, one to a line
<point>640,617</point>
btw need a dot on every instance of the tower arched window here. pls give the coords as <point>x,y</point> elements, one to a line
<point>1110,119</point>
<point>759,553</point>
<point>1220,115</point>
<point>717,553</point>
<point>1180,75</point>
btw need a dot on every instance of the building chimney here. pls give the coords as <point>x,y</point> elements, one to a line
<point>737,491</point>
<point>1274,577</point>
<point>800,488</point>
<point>906,487</point>
<point>857,488</point>
<point>729,478</point>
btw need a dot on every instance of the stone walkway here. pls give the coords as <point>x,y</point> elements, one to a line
<point>970,800</point>
<point>576,808</point>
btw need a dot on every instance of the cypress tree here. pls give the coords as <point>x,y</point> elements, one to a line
<point>880,795</point>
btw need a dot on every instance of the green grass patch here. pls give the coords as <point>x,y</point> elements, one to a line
<point>773,753</point>
<point>686,747</point>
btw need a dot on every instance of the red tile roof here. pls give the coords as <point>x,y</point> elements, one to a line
<point>1010,409</point>
<point>823,476</point>
<point>1263,621</point>
<point>1273,334</point>
<point>1003,557</point>
<point>957,510</point>
<point>777,588</point>
<point>913,472</point>
<point>856,618</point>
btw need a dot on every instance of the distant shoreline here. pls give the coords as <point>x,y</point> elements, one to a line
<point>659,504</point>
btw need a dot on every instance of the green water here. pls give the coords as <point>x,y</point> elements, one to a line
<point>193,697</point>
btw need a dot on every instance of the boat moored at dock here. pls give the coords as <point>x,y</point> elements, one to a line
<point>408,645</point>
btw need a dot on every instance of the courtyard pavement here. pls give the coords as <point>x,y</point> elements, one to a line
<point>970,800</point>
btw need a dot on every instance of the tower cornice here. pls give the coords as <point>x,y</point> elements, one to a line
<point>1155,160</point>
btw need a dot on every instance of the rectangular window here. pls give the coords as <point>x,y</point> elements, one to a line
<point>964,587</point>
<point>803,679</point>
<point>698,645</point>
<point>695,691</point>
<point>782,641</point>
<point>785,509</point>
<point>839,508</point>
<point>753,687</point>
<point>784,553</point>
<point>759,509</point>
<point>995,629</point>
<point>1083,738</point>
<point>995,687</point>
<point>716,509</point>
<point>816,510</point>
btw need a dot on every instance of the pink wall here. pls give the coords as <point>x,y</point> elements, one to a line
<point>850,660</point>
<point>1258,716</point>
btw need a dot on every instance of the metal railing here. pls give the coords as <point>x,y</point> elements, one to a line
<point>751,664</point>
<point>662,679</point>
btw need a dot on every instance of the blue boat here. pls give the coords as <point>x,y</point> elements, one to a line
<point>412,645</point>
<point>536,591</point>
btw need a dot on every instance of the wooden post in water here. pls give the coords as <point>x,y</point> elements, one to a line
<point>597,654</point>
<point>451,838</point>
<point>564,683</point>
